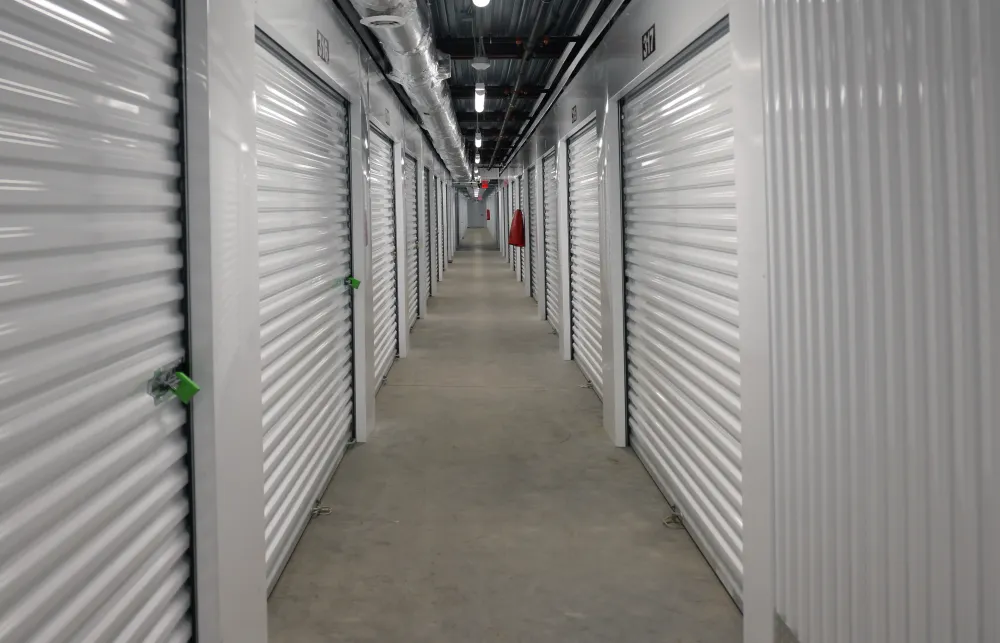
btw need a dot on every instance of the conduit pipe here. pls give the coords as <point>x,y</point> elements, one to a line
<point>404,30</point>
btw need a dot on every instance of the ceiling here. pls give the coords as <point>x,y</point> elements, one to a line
<point>503,30</point>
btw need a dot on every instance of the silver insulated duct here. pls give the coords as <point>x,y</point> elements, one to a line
<point>404,30</point>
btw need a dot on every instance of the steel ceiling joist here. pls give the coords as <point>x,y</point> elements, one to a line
<point>495,91</point>
<point>503,48</point>
<point>490,117</point>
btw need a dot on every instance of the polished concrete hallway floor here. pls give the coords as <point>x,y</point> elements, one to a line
<point>489,505</point>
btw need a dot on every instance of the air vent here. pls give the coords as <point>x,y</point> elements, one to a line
<point>374,22</point>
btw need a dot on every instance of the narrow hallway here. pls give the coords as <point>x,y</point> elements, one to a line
<point>490,505</point>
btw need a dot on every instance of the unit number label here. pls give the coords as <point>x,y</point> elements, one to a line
<point>649,42</point>
<point>572,114</point>
<point>323,47</point>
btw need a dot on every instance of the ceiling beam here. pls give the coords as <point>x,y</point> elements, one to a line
<point>497,91</point>
<point>509,48</point>
<point>483,127</point>
<point>491,117</point>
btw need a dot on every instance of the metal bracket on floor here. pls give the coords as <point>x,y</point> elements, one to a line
<point>320,510</point>
<point>675,520</point>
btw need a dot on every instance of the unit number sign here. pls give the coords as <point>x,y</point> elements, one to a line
<point>322,47</point>
<point>649,42</point>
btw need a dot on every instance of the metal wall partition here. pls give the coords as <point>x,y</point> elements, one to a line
<point>681,295</point>
<point>585,257</point>
<point>550,207</point>
<point>306,327</point>
<point>412,240</point>
<point>530,218</point>
<point>96,484</point>
<point>382,186</point>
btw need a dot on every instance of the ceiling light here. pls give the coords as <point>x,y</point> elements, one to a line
<point>480,96</point>
<point>479,138</point>
<point>477,157</point>
<point>480,63</point>
<point>480,3</point>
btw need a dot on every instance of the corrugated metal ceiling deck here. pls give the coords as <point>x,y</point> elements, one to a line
<point>503,19</point>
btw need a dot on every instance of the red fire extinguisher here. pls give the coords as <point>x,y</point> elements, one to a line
<point>487,215</point>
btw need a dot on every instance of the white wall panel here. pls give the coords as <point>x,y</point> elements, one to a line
<point>883,122</point>
<point>681,295</point>
<point>584,256</point>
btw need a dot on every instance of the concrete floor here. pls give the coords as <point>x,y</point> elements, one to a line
<point>489,505</point>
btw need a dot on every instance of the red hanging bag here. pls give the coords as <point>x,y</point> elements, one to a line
<point>516,237</point>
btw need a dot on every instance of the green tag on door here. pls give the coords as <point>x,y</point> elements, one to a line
<point>185,389</point>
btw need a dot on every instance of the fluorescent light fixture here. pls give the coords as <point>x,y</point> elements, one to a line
<point>480,96</point>
<point>477,157</point>
<point>480,3</point>
<point>479,138</point>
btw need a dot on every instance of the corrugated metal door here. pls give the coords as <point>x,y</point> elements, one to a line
<point>530,216</point>
<point>524,220</point>
<point>585,256</point>
<point>381,181</point>
<point>884,253</point>
<point>681,300</point>
<point>305,309</point>
<point>94,477</point>
<point>412,242</point>
<point>550,206</point>
<point>425,285</point>
<point>436,245</point>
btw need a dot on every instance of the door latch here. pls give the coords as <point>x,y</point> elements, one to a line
<point>352,282</point>
<point>169,382</point>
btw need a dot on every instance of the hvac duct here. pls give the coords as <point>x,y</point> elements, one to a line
<point>404,30</point>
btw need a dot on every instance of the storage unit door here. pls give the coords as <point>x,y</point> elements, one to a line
<point>550,206</point>
<point>584,256</point>
<point>682,308</point>
<point>94,497</point>
<point>530,219</point>
<point>304,225</point>
<point>381,181</point>
<point>439,237</point>
<point>425,285</point>
<point>436,245</point>
<point>521,252</point>
<point>412,243</point>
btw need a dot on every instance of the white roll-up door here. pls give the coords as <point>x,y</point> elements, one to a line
<point>440,229</point>
<point>521,254</point>
<point>531,216</point>
<point>436,245</point>
<point>303,211</point>
<point>550,206</point>
<point>381,181</point>
<point>94,480</point>
<point>412,242</point>
<point>425,284</point>
<point>585,257</point>
<point>682,304</point>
